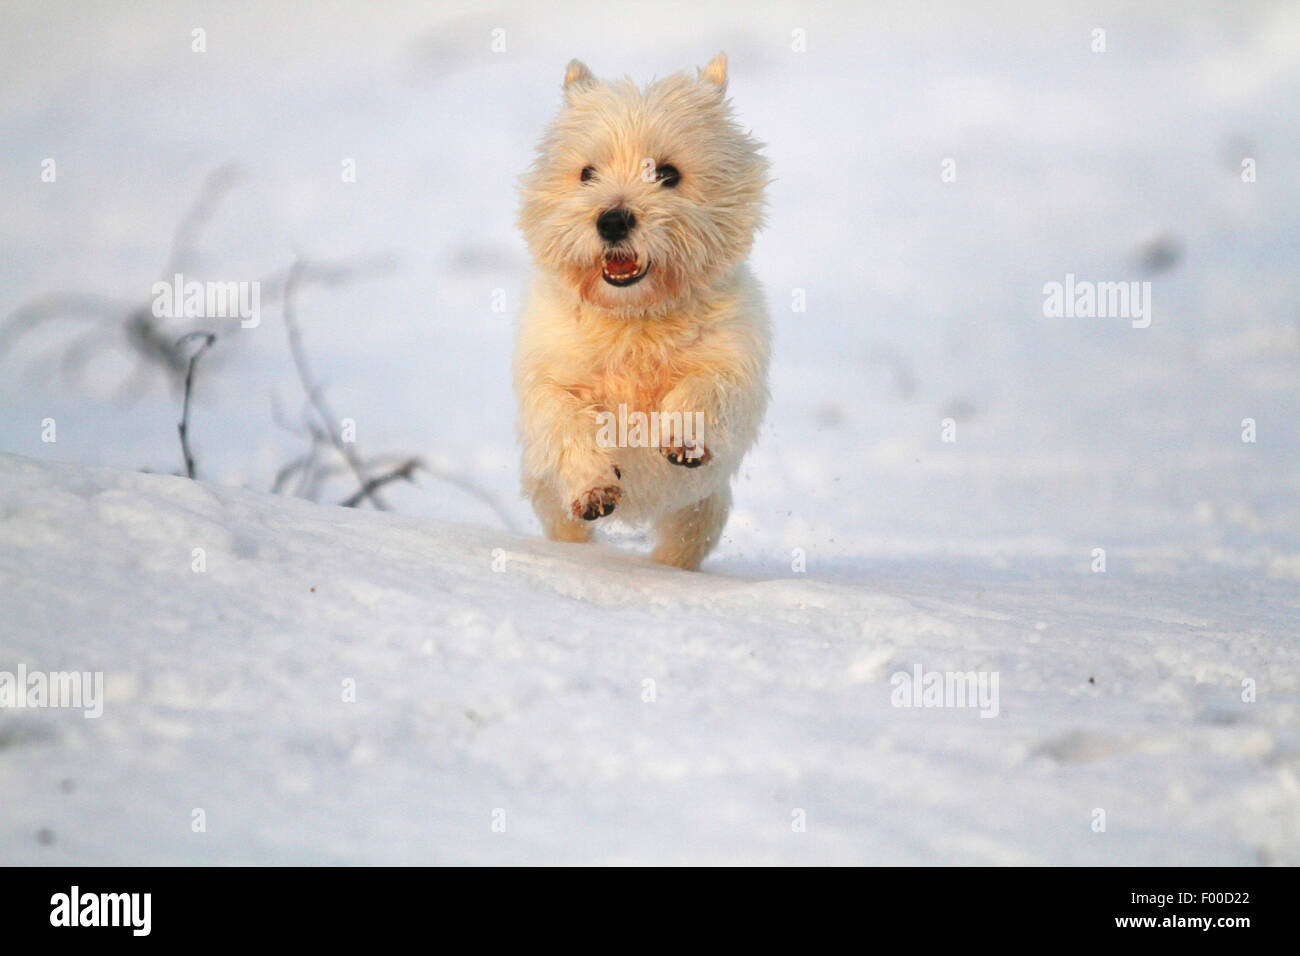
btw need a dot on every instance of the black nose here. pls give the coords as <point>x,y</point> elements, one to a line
<point>615,224</point>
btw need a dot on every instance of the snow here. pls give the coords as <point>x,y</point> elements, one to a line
<point>523,689</point>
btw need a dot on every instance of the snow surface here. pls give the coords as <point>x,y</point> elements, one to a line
<point>522,689</point>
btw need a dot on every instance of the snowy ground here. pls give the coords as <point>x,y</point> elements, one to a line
<point>522,689</point>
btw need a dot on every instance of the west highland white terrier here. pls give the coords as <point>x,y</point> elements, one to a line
<point>642,353</point>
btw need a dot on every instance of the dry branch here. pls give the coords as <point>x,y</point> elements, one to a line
<point>184,426</point>
<point>404,471</point>
<point>315,395</point>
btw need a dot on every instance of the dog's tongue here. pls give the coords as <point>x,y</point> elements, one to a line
<point>620,265</point>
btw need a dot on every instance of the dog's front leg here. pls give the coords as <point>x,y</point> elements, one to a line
<point>570,477</point>
<point>713,420</point>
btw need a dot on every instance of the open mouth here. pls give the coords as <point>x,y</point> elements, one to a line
<point>622,269</point>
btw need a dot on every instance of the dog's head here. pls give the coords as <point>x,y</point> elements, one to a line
<point>640,198</point>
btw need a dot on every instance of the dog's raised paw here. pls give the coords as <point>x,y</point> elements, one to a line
<point>691,456</point>
<point>596,503</point>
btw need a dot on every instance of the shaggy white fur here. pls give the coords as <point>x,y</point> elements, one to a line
<point>639,212</point>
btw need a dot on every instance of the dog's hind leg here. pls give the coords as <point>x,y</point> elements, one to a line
<point>685,537</point>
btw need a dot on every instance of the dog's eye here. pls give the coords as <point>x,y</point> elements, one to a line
<point>588,173</point>
<point>668,175</point>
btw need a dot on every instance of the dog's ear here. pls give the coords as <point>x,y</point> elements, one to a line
<point>716,72</point>
<point>577,77</point>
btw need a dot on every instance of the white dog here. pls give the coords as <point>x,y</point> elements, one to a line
<point>641,361</point>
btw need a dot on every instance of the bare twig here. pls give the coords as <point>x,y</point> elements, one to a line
<point>208,338</point>
<point>144,334</point>
<point>327,274</point>
<point>404,471</point>
<point>146,337</point>
<point>307,465</point>
<point>314,393</point>
<point>58,305</point>
<point>215,186</point>
<point>291,468</point>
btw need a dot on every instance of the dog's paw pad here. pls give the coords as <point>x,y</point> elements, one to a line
<point>596,503</point>
<point>691,456</point>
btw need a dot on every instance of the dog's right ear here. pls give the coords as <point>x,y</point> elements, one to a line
<point>716,72</point>
<point>577,77</point>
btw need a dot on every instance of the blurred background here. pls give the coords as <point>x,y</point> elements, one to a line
<point>902,297</point>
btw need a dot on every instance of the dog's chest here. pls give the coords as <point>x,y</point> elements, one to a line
<point>638,368</point>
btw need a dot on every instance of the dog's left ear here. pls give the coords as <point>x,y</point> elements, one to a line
<point>716,72</point>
